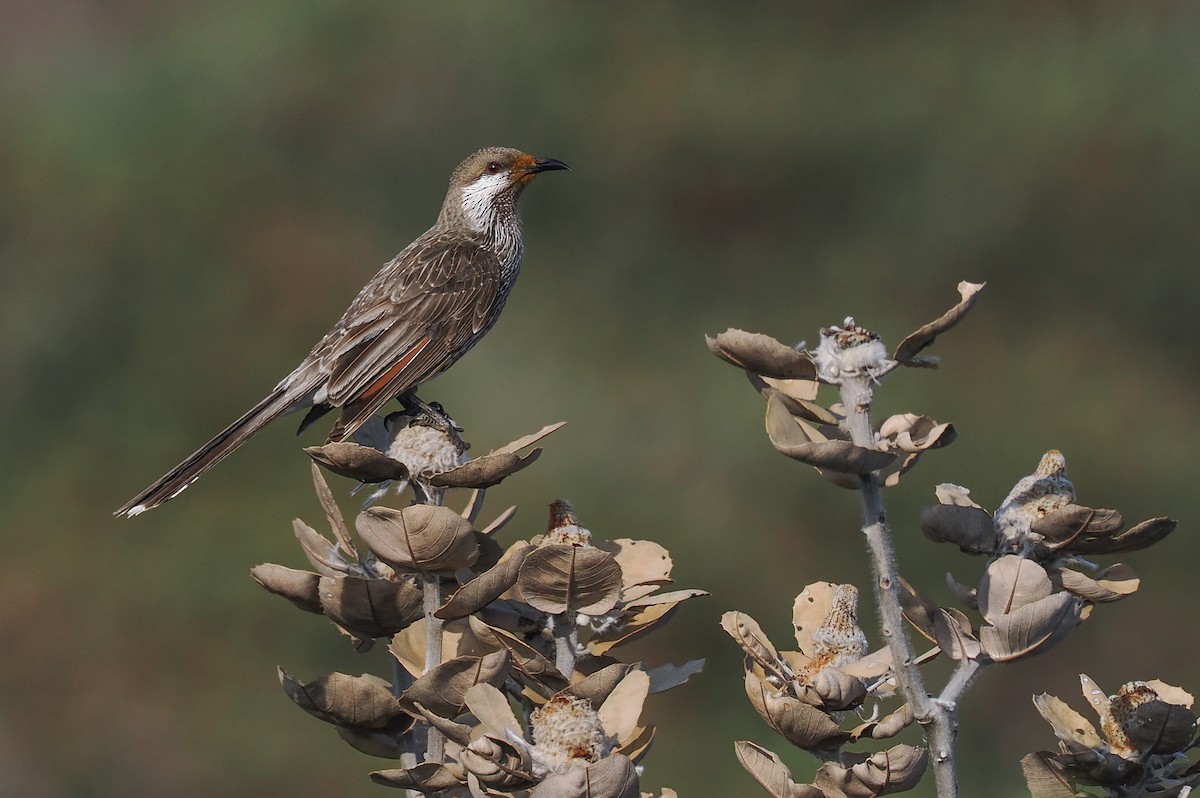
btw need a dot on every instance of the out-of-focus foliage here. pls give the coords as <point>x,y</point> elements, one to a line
<point>192,192</point>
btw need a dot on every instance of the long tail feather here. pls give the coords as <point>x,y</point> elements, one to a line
<point>175,481</point>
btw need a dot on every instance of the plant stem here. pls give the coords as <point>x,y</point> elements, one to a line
<point>939,721</point>
<point>565,637</point>
<point>431,585</point>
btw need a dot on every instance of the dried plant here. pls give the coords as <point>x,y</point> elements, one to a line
<point>504,681</point>
<point>1037,585</point>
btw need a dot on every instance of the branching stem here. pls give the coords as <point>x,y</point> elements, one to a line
<point>938,718</point>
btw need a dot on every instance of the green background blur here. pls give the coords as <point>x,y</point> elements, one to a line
<point>191,192</point>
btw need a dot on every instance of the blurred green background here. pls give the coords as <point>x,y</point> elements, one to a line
<point>192,192</point>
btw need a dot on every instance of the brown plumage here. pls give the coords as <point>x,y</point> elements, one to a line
<point>413,320</point>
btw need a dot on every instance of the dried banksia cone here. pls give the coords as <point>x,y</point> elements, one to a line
<point>567,732</point>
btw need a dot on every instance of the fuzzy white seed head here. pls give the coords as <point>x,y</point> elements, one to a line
<point>849,352</point>
<point>567,732</point>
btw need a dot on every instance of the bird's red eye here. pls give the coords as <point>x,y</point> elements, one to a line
<point>493,167</point>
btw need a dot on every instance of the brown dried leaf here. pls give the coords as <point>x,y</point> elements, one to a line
<point>968,596</point>
<point>485,471</point>
<point>639,617</point>
<point>912,433</point>
<point>1160,728</point>
<point>499,765</point>
<point>802,724</point>
<point>769,771</point>
<point>611,777</point>
<point>386,745</point>
<point>1111,584</point>
<point>322,554</point>
<point>809,609</point>
<point>1009,584</point>
<point>487,587</point>
<point>421,536</point>
<point>832,690</point>
<point>443,689</point>
<point>529,440</point>
<point>493,711</point>
<point>298,587</point>
<point>746,632</point>
<point>427,777</point>
<point>1045,778</point>
<point>370,608</point>
<point>1035,626</point>
<point>918,610</point>
<point>1084,530</point>
<point>954,635</point>
<point>355,701</point>
<point>906,352</point>
<point>969,528</point>
<point>560,576</point>
<point>333,514</point>
<point>1098,767</point>
<point>897,769</point>
<point>885,728</point>
<point>642,561</point>
<point>499,522</point>
<point>797,441</point>
<point>1075,731</point>
<point>347,459</point>
<point>525,657</point>
<point>596,688</point>
<point>620,712</point>
<point>761,354</point>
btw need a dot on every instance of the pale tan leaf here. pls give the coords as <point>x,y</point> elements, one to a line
<point>620,712</point>
<point>529,440</point>
<point>641,561</point>
<point>1069,726</point>
<point>443,689</point>
<point>611,777</point>
<point>761,354</point>
<point>486,471</point>
<point>298,587</point>
<point>596,687</point>
<point>887,727</point>
<point>906,352</point>
<point>746,632</point>
<point>954,635</point>
<point>370,608</point>
<point>949,493</point>
<point>525,657</point>
<point>333,513</point>
<point>493,711</point>
<point>1171,694</point>
<point>809,609</point>
<point>802,724</point>
<point>1033,627</point>
<point>897,769</point>
<point>1111,584</point>
<point>427,777</point>
<point>1011,583</point>
<point>791,438</point>
<point>769,771</point>
<point>323,555</point>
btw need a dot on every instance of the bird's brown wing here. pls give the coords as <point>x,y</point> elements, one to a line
<point>437,307</point>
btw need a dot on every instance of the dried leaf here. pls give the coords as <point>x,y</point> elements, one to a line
<point>761,354</point>
<point>498,764</point>
<point>1171,694</point>
<point>668,676</point>
<point>1045,778</point>
<point>802,724</point>
<point>639,617</point>
<point>611,777</point>
<point>804,393</point>
<point>333,514</point>
<point>1111,584</point>
<point>356,701</point>
<point>486,471</point>
<point>487,587</point>
<point>1033,627</point>
<point>560,576</point>
<point>968,596</point>
<point>298,587</point>
<point>889,726</point>
<point>769,771</point>
<point>427,777</point>
<point>897,769</point>
<point>1098,767</point>
<point>1160,728</point>
<point>1084,530</point>
<point>1075,731</point>
<point>641,561</point>
<point>370,608</point>
<point>493,711</point>
<point>525,657</point>
<point>918,610</point>
<point>362,463</point>
<point>969,528</point>
<point>596,688</point>
<point>832,690</point>
<point>954,635</point>
<point>746,632</point>
<point>529,440</point>
<point>1009,584</point>
<point>906,352</point>
<point>421,536</point>
<point>620,712</point>
<point>386,745</point>
<point>949,493</point>
<point>791,438</point>
<point>443,689</point>
<point>912,433</point>
<point>809,609</point>
<point>323,555</point>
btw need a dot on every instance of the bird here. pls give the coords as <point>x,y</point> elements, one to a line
<point>418,315</point>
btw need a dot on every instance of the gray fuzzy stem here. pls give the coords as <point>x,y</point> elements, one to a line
<point>431,585</point>
<point>939,722</point>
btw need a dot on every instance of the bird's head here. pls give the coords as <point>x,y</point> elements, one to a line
<point>484,188</point>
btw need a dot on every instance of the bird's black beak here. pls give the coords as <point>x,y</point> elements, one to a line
<point>546,165</point>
